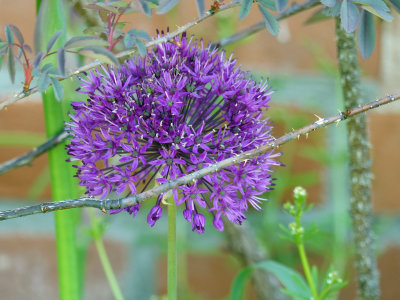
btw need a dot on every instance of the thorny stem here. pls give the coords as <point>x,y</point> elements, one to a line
<point>360,168</point>
<point>105,205</point>
<point>291,10</point>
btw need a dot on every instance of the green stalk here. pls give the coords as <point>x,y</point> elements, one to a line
<point>105,262</point>
<point>172,261</point>
<point>304,261</point>
<point>51,17</point>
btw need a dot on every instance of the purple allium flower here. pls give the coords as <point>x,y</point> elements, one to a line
<point>177,110</point>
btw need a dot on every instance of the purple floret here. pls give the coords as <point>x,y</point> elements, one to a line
<point>179,109</point>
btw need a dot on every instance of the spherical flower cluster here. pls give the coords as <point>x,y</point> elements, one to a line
<point>179,109</point>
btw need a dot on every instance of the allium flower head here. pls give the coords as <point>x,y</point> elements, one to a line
<point>177,110</point>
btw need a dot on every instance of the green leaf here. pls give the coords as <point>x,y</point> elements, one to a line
<point>200,7</point>
<point>129,40</point>
<point>9,35</point>
<point>143,7</point>
<point>245,9</point>
<point>11,64</point>
<point>333,11</point>
<point>102,7</point>
<point>281,4</point>
<point>318,16</point>
<point>38,59</point>
<point>349,16</point>
<point>239,283</point>
<point>269,20</point>
<point>366,36</point>
<point>329,3</point>
<point>396,4</point>
<point>17,33</point>
<point>291,279</point>
<point>1,61</point>
<point>61,61</point>
<point>3,45</point>
<point>82,41</point>
<point>141,34</point>
<point>165,6</point>
<point>268,4</point>
<point>141,47</point>
<point>94,30</point>
<point>376,7</point>
<point>43,82</point>
<point>53,40</point>
<point>104,52</point>
<point>57,88</point>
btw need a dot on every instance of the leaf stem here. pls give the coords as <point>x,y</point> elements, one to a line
<point>172,257</point>
<point>105,262</point>
<point>304,260</point>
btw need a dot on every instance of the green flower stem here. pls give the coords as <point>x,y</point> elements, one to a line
<point>105,262</point>
<point>304,260</point>
<point>51,17</point>
<point>172,258</point>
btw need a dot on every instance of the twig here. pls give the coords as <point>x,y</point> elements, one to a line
<point>360,168</point>
<point>28,157</point>
<point>125,53</point>
<point>290,11</point>
<point>105,205</point>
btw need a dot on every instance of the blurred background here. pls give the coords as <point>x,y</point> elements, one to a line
<point>301,66</point>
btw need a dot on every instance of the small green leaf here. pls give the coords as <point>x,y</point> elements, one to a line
<point>329,3</point>
<point>94,29</point>
<point>1,61</point>
<point>11,64</point>
<point>269,20</point>
<point>98,50</point>
<point>396,4</point>
<point>245,9</point>
<point>141,47</point>
<point>9,35</point>
<point>57,88</point>
<point>318,16</point>
<point>53,40</point>
<point>239,283</point>
<point>142,34</point>
<point>349,16</point>
<point>38,59</point>
<point>17,34</point>
<point>376,7</point>
<point>333,11</point>
<point>144,7</point>
<point>129,40</point>
<point>281,4</point>
<point>43,82</point>
<point>82,41</point>
<point>165,5</point>
<point>3,45</point>
<point>268,4</point>
<point>102,7</point>
<point>366,36</point>
<point>61,61</point>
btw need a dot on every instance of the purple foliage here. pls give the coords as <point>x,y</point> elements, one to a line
<point>175,111</point>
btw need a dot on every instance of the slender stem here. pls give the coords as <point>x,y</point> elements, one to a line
<point>106,204</point>
<point>360,168</point>
<point>304,261</point>
<point>307,270</point>
<point>172,257</point>
<point>105,262</point>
